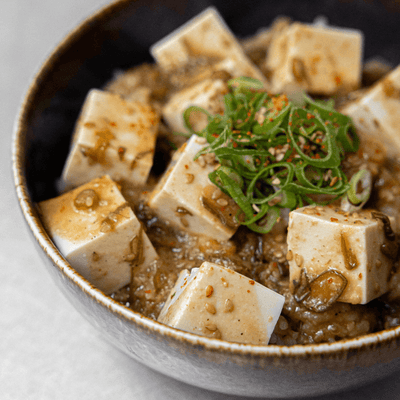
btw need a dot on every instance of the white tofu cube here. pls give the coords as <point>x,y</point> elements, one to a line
<point>206,35</point>
<point>376,113</point>
<point>98,233</point>
<point>324,238</point>
<point>177,198</point>
<point>318,59</point>
<point>208,94</point>
<point>217,302</point>
<point>114,137</point>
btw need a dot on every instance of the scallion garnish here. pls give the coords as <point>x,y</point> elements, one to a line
<point>275,155</point>
<point>359,192</point>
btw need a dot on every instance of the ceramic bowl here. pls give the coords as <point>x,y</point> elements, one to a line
<point>117,37</point>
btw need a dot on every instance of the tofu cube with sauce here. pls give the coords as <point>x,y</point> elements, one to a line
<point>350,251</point>
<point>206,36</point>
<point>217,302</point>
<point>208,94</point>
<point>114,137</point>
<point>376,113</point>
<point>317,59</point>
<point>186,198</point>
<point>98,233</point>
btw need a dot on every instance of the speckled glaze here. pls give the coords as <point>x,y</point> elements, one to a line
<point>118,36</point>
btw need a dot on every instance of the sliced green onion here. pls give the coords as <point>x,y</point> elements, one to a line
<point>354,199</point>
<point>186,117</point>
<point>245,82</point>
<point>275,155</point>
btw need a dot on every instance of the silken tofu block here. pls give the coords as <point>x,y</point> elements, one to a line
<point>323,238</point>
<point>317,59</point>
<point>178,196</point>
<point>207,36</point>
<point>98,233</point>
<point>208,94</point>
<point>217,302</point>
<point>114,137</point>
<point>376,114</point>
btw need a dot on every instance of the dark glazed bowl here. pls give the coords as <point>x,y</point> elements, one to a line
<point>117,37</point>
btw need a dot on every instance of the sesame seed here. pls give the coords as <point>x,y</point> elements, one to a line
<point>189,178</point>
<point>210,308</point>
<point>216,194</point>
<point>276,181</point>
<point>228,306</point>
<point>222,202</point>
<point>298,259</point>
<point>211,327</point>
<point>209,291</point>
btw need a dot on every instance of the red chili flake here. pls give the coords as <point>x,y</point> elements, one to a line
<point>317,213</point>
<point>248,133</point>
<point>334,219</point>
<point>147,291</point>
<point>338,80</point>
<point>248,291</point>
<point>275,264</point>
<point>327,122</point>
<point>145,192</point>
<point>222,209</point>
<point>330,114</point>
<point>323,147</point>
<point>235,145</point>
<point>290,123</point>
<point>290,159</point>
<point>249,114</point>
<point>62,208</point>
<point>214,135</point>
<point>186,166</point>
<point>172,243</point>
<point>317,156</point>
<point>271,119</point>
<point>360,275</point>
<point>318,140</point>
<point>330,280</point>
<point>310,116</point>
<point>251,282</point>
<point>113,124</point>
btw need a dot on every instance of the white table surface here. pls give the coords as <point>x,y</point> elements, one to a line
<point>47,350</point>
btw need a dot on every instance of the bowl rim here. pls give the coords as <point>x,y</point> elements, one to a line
<point>384,337</point>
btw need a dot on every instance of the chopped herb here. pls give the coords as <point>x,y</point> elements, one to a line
<point>273,154</point>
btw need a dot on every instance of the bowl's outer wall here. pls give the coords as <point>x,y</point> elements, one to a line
<point>117,38</point>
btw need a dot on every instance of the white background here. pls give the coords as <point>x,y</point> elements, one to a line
<point>47,350</point>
